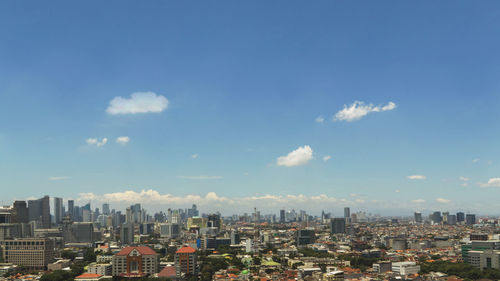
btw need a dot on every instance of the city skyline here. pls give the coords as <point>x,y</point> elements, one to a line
<point>382,110</point>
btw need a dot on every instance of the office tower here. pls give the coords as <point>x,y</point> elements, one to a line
<point>20,212</point>
<point>235,238</point>
<point>170,230</point>
<point>105,209</point>
<point>282,216</point>
<point>418,217</point>
<point>305,237</point>
<point>32,253</point>
<point>452,219</point>
<point>78,232</point>
<point>135,261</point>
<point>127,233</point>
<point>337,225</point>
<point>58,210</point>
<point>71,208</point>
<point>347,214</point>
<point>470,219</point>
<point>128,215</point>
<point>213,221</point>
<point>39,210</point>
<point>445,217</point>
<point>436,217</point>
<point>185,262</point>
<point>460,217</point>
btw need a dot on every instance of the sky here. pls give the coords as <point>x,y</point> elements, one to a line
<point>384,106</point>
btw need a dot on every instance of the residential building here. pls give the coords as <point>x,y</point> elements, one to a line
<point>135,262</point>
<point>186,262</point>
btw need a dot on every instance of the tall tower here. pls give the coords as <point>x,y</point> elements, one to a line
<point>58,210</point>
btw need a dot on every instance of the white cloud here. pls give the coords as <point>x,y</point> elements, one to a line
<point>300,156</point>
<point>320,119</point>
<point>476,160</point>
<point>397,191</point>
<point>140,102</point>
<point>417,177</point>
<point>201,177</point>
<point>492,182</point>
<point>122,140</point>
<point>463,178</point>
<point>327,157</point>
<point>442,200</point>
<point>359,109</point>
<point>418,201</point>
<point>59,178</point>
<point>96,142</point>
<point>194,156</point>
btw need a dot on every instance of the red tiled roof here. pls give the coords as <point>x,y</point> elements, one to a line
<point>143,250</point>
<point>168,271</point>
<point>88,275</point>
<point>186,250</point>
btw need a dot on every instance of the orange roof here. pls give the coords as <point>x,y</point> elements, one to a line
<point>144,250</point>
<point>88,275</point>
<point>186,250</point>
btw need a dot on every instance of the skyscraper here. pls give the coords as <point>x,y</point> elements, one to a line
<point>282,216</point>
<point>347,213</point>
<point>418,217</point>
<point>470,219</point>
<point>105,209</point>
<point>337,225</point>
<point>460,217</point>
<point>39,210</point>
<point>58,210</point>
<point>20,214</point>
<point>436,217</point>
<point>71,208</point>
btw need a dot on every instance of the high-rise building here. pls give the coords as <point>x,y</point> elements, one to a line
<point>20,212</point>
<point>436,217</point>
<point>305,237</point>
<point>105,209</point>
<point>127,233</point>
<point>418,217</point>
<point>213,221</point>
<point>235,238</point>
<point>71,208</point>
<point>452,219</point>
<point>39,210</point>
<point>282,216</point>
<point>185,262</point>
<point>337,225</point>
<point>470,219</point>
<point>58,210</point>
<point>170,230</point>
<point>445,217</point>
<point>460,217</point>
<point>347,214</point>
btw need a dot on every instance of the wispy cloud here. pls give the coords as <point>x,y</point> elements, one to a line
<point>122,140</point>
<point>492,182</point>
<point>201,177</point>
<point>443,200</point>
<point>359,109</point>
<point>476,160</point>
<point>97,142</point>
<point>299,156</point>
<point>418,201</point>
<point>194,156</point>
<point>464,180</point>
<point>59,178</point>
<point>417,177</point>
<point>140,102</point>
<point>319,119</point>
<point>327,157</point>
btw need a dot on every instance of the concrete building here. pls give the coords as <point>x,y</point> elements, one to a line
<point>170,230</point>
<point>337,225</point>
<point>100,268</point>
<point>34,254</point>
<point>78,232</point>
<point>405,268</point>
<point>185,262</point>
<point>418,217</point>
<point>383,266</point>
<point>58,210</point>
<point>470,219</point>
<point>39,210</point>
<point>135,262</point>
<point>127,233</point>
<point>20,212</point>
<point>305,237</point>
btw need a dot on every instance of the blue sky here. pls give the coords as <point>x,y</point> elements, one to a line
<point>245,82</point>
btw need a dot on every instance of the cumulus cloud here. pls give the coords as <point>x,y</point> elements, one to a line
<point>442,200</point>
<point>417,177</point>
<point>140,102</point>
<point>300,156</point>
<point>492,182</point>
<point>58,178</point>
<point>201,177</point>
<point>327,157</point>
<point>97,142</point>
<point>122,140</point>
<point>320,119</point>
<point>418,201</point>
<point>359,109</point>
